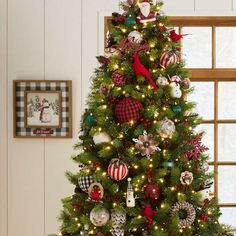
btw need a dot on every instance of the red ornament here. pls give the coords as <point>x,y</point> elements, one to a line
<point>120,19</point>
<point>149,213</point>
<point>118,79</point>
<point>141,70</point>
<point>117,169</point>
<point>95,194</point>
<point>168,57</point>
<point>204,217</point>
<point>152,191</point>
<point>127,110</point>
<point>176,37</point>
<point>146,122</point>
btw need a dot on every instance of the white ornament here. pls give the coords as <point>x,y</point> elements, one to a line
<point>145,8</point>
<point>135,37</point>
<point>102,137</point>
<point>130,199</point>
<point>175,90</point>
<point>99,216</point>
<point>206,194</point>
<point>162,81</point>
<point>167,128</point>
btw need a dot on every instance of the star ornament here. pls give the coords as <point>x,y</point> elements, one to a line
<point>146,144</point>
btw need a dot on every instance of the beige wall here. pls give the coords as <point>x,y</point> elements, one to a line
<point>52,39</point>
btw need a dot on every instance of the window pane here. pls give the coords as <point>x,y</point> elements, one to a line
<point>227,100</point>
<point>227,142</point>
<point>197,47</point>
<point>227,185</point>
<point>205,107</point>
<point>208,138</point>
<point>228,216</point>
<point>225,47</point>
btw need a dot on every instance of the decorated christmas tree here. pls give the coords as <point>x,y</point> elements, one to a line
<point>142,169</point>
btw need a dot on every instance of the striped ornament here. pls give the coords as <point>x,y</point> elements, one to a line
<point>117,169</point>
<point>168,57</point>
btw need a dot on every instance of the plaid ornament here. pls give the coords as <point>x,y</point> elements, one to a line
<point>128,109</point>
<point>85,182</point>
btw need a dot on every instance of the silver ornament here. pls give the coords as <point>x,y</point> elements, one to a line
<point>167,128</point>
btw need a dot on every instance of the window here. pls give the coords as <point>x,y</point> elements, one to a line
<point>210,54</point>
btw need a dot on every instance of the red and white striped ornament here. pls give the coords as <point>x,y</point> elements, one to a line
<point>168,57</point>
<point>117,169</point>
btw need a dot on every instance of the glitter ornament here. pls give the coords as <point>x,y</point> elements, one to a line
<point>152,191</point>
<point>90,120</point>
<point>162,81</point>
<point>99,216</point>
<point>190,210</point>
<point>130,21</point>
<point>167,128</point>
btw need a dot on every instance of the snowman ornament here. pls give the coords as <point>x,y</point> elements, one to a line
<point>146,14</point>
<point>175,90</point>
<point>46,112</point>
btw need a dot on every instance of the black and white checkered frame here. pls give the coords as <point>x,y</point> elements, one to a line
<point>21,86</point>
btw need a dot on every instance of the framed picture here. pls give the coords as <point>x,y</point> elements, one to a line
<point>42,109</point>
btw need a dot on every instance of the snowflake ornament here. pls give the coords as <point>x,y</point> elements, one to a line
<point>197,146</point>
<point>146,144</point>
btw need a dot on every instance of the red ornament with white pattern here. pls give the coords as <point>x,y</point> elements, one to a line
<point>168,57</point>
<point>117,169</point>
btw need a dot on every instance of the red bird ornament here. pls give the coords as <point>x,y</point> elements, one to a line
<point>141,70</point>
<point>176,37</point>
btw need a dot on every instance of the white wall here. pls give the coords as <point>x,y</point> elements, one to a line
<point>52,39</point>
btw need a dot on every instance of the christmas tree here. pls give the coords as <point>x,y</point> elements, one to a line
<point>142,169</point>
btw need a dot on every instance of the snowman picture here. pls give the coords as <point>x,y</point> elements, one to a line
<point>46,112</point>
<point>43,109</point>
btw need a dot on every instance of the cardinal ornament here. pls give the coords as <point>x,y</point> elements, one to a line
<point>186,178</point>
<point>99,216</point>
<point>135,37</point>
<point>101,137</point>
<point>167,128</point>
<point>146,14</point>
<point>117,169</point>
<point>167,58</point>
